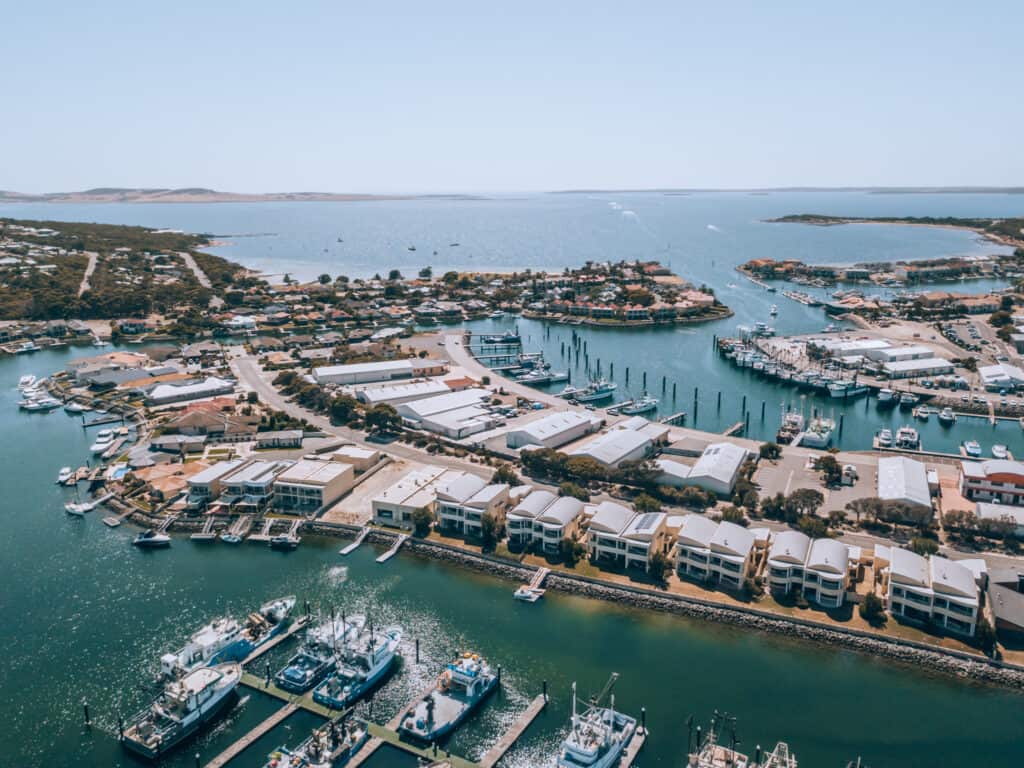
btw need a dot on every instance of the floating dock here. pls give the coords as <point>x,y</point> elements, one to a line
<point>389,733</point>
<point>207,533</point>
<point>402,538</point>
<point>264,535</point>
<point>297,625</point>
<point>360,538</point>
<point>634,747</point>
<point>250,738</point>
<point>504,744</point>
<point>240,527</point>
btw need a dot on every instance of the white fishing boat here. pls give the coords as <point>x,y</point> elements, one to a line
<point>819,433</point>
<point>643,404</point>
<point>710,751</point>
<point>598,736</point>
<point>64,475</point>
<point>1000,451</point>
<point>463,685</point>
<point>601,389</point>
<point>972,448</point>
<point>330,746</point>
<point>363,662</point>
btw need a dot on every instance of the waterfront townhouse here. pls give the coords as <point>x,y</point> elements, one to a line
<point>519,520</point>
<point>784,571</point>
<point>398,503</point>
<point>693,546</point>
<point>453,491</point>
<point>827,573</point>
<point>716,552</point>
<point>250,488</point>
<point>311,484</point>
<point>559,520</point>
<point>998,480</point>
<point>205,487</point>
<point>929,590</point>
<point>620,536</point>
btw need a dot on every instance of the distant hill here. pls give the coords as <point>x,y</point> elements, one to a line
<point>192,195</point>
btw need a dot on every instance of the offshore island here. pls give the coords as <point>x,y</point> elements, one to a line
<point>235,409</point>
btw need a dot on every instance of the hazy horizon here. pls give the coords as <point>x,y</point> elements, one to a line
<point>457,97</point>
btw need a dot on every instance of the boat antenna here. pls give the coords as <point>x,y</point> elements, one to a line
<point>689,734</point>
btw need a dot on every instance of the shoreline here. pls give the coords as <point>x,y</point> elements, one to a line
<point>838,221</point>
<point>934,659</point>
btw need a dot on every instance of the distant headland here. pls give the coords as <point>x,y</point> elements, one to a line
<point>200,195</point>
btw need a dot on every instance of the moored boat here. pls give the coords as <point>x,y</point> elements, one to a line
<point>598,736</point>
<point>1000,451</point>
<point>64,475</point>
<point>908,438</point>
<point>600,389</point>
<point>184,707</point>
<point>972,448</point>
<point>152,539</point>
<point>819,433</point>
<point>946,416</point>
<point>363,662</point>
<point>642,404</point>
<point>884,438</point>
<point>104,439</point>
<point>886,396</point>
<point>318,654</point>
<point>330,746</point>
<point>463,685</point>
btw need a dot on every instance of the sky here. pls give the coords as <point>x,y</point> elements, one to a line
<point>420,97</point>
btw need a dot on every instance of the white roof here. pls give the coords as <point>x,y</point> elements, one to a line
<point>828,555</point>
<point>434,406</point>
<point>355,452</point>
<point>533,504</point>
<point>562,512</point>
<point>732,539</point>
<point>791,546</point>
<point>556,424</point>
<point>903,479</point>
<point>357,368</point>
<point>258,472</point>
<point>487,494</point>
<point>209,386</point>
<point>645,525</point>
<point>697,531</point>
<point>719,461</point>
<point>1000,372</point>
<point>611,517</point>
<point>984,510</point>
<point>215,472</point>
<point>907,567</point>
<point>459,487</point>
<point>673,468</point>
<point>411,391</point>
<point>921,364</point>
<point>313,472</point>
<point>410,484</point>
<point>613,447</point>
<point>950,577</point>
<point>634,423</point>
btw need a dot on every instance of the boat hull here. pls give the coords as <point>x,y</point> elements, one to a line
<point>215,710</point>
<point>442,729</point>
<point>321,695</point>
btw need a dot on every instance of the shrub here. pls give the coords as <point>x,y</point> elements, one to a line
<point>422,520</point>
<point>574,490</point>
<point>872,610</point>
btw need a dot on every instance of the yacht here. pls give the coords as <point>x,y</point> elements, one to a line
<point>318,654</point>
<point>227,639</point>
<point>104,439</point>
<point>569,392</point>
<point>908,400</point>
<point>597,390</point>
<point>362,664</point>
<point>642,404</point>
<point>73,407</point>
<point>1000,451</point>
<point>184,706</point>
<point>463,685</point>
<point>330,746</point>
<point>598,736</point>
<point>886,396</point>
<point>64,475</point>
<point>946,416</point>
<point>26,347</point>
<point>151,539</point>
<point>497,313</point>
<point>922,412</point>
<point>884,438</point>
<point>907,437</point>
<point>774,310</point>
<point>819,433</point>
<point>506,338</point>
<point>26,382</point>
<point>972,448</point>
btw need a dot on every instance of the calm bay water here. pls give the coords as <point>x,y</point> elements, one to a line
<point>86,617</point>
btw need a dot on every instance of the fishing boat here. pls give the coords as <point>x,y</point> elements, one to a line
<point>642,404</point>
<point>599,389</point>
<point>227,639</point>
<point>946,416</point>
<point>64,475</point>
<point>710,751</point>
<point>104,439</point>
<point>908,438</point>
<point>330,746</point>
<point>364,662</point>
<point>152,539</point>
<point>463,685</point>
<point>972,448</point>
<point>819,433</point>
<point>506,338</point>
<point>792,425</point>
<point>598,736</point>
<point>884,438</point>
<point>318,654</point>
<point>886,397</point>
<point>1000,451</point>
<point>185,706</point>
<point>569,392</point>
<point>845,388</point>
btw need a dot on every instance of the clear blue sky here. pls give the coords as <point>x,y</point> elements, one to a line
<point>486,96</point>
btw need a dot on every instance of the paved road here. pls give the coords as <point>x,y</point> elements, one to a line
<point>89,269</point>
<point>196,269</point>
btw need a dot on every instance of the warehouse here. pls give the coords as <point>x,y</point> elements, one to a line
<point>908,369</point>
<point>615,447</point>
<point>554,430</point>
<point>396,394</point>
<point>386,370</point>
<point>903,480</point>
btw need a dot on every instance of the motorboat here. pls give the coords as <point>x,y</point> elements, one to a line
<point>922,412</point>
<point>642,404</point>
<point>73,407</point>
<point>972,448</point>
<point>151,539</point>
<point>1000,451</point>
<point>601,389</point>
<point>363,662</point>
<point>908,400</point>
<point>819,433</point>
<point>464,684</point>
<point>774,310</point>
<point>908,438</point>
<point>569,392</point>
<point>26,382</point>
<point>884,438</point>
<point>64,475</point>
<point>184,706</point>
<point>886,396</point>
<point>27,347</point>
<point>104,439</point>
<point>946,416</point>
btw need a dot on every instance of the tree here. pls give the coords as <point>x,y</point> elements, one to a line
<point>658,566</point>
<point>865,506</point>
<point>831,470</point>
<point>490,529</point>
<point>426,273</point>
<point>343,409</point>
<point>253,397</point>
<point>505,474</point>
<point>394,275</point>
<point>324,279</point>
<point>770,451</point>
<point>574,490</point>
<point>422,520</point>
<point>985,634</point>
<point>872,610</point>
<point>646,503</point>
<point>924,546</point>
<point>814,527</point>
<point>450,277</point>
<point>571,551</point>
<point>836,518</point>
<point>1000,317</point>
<point>774,507</point>
<point>733,515</point>
<point>383,418</point>
<point>804,501</point>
